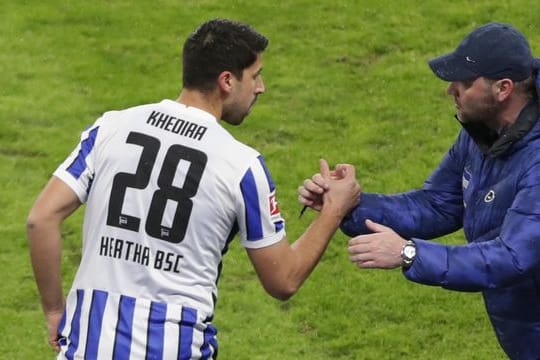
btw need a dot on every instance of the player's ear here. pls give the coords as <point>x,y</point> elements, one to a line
<point>225,81</point>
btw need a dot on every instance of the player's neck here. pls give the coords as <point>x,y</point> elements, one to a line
<point>209,102</point>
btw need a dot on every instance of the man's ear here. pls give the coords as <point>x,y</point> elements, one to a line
<point>503,88</point>
<point>225,80</point>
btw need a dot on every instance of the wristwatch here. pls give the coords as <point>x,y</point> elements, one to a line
<point>408,253</point>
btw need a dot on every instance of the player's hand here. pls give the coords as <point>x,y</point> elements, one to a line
<point>381,249</point>
<point>343,191</point>
<point>310,193</point>
<point>53,321</point>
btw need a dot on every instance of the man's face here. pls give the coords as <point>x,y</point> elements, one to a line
<point>244,93</point>
<point>475,101</point>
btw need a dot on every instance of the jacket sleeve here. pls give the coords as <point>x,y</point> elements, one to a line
<point>490,263</point>
<point>434,210</point>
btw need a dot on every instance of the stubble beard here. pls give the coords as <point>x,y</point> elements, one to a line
<point>485,111</point>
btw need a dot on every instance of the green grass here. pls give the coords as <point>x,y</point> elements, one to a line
<point>346,80</point>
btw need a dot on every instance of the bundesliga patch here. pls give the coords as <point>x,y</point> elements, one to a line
<point>274,207</point>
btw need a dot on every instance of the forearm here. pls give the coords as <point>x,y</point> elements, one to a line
<point>475,266</point>
<point>417,213</point>
<point>282,267</point>
<point>45,254</point>
<point>310,246</point>
<point>55,203</point>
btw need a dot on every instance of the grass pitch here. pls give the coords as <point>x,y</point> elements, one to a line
<point>346,80</point>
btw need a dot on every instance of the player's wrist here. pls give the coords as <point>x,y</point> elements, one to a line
<point>330,209</point>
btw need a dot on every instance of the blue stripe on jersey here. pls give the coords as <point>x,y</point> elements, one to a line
<point>279,224</point>
<point>62,340</point>
<point>268,177</point>
<point>97,307</point>
<point>251,202</point>
<point>75,327</point>
<point>78,165</point>
<point>156,330</point>
<point>188,321</point>
<point>90,182</point>
<point>124,327</point>
<point>209,341</point>
<point>225,249</point>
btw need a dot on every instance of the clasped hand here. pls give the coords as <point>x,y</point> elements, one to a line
<point>381,249</point>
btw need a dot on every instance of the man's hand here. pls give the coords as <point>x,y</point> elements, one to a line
<point>311,193</point>
<point>381,250</point>
<point>53,320</point>
<point>342,192</point>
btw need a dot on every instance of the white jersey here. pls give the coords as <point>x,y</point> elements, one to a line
<point>166,189</point>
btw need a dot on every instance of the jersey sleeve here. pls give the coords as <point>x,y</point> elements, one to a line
<point>77,171</point>
<point>259,218</point>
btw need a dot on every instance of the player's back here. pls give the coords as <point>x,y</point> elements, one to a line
<point>162,186</point>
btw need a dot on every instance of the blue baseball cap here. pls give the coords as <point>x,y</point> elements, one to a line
<point>493,50</point>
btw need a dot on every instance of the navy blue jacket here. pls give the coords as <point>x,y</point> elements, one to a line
<point>489,185</point>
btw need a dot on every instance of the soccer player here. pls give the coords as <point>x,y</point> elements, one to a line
<point>166,189</point>
<point>488,184</point>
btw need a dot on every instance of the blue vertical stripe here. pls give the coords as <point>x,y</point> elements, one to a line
<point>78,165</point>
<point>230,238</point>
<point>62,323</point>
<point>267,173</point>
<point>251,202</point>
<point>278,224</point>
<point>124,328</point>
<point>90,182</point>
<point>188,321</point>
<point>61,326</point>
<point>209,345</point>
<point>156,330</point>
<point>75,327</point>
<point>97,307</point>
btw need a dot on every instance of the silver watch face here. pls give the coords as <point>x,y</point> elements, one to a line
<point>409,251</point>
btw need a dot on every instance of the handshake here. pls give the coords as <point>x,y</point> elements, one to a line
<point>338,190</point>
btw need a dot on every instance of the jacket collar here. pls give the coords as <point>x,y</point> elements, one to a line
<point>493,144</point>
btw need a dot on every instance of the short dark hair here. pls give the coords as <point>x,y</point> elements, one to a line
<point>216,46</point>
<point>528,87</point>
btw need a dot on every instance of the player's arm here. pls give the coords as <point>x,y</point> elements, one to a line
<point>56,202</point>
<point>282,267</point>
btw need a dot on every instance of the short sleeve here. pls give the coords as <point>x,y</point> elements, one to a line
<point>77,171</point>
<point>258,211</point>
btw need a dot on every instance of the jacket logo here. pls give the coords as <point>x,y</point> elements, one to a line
<point>490,196</point>
<point>465,180</point>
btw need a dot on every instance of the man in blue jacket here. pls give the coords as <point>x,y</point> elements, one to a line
<point>488,184</point>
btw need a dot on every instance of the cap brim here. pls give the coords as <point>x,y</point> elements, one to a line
<point>451,67</point>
